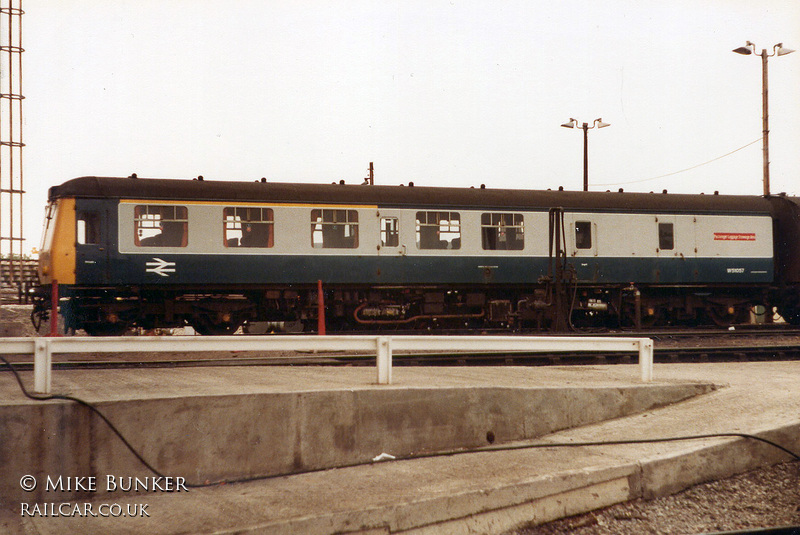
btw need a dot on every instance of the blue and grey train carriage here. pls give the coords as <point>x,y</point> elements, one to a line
<point>148,253</point>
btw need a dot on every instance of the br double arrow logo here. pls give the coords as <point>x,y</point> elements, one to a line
<point>162,267</point>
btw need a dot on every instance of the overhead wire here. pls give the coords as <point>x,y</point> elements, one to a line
<point>682,170</point>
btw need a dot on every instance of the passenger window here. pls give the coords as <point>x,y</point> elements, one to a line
<point>160,226</point>
<point>334,229</point>
<point>438,230</point>
<point>583,234</point>
<point>501,232</point>
<point>248,227</point>
<point>666,236</point>
<point>390,232</point>
<point>88,230</point>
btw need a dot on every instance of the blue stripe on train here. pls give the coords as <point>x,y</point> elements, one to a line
<point>166,269</point>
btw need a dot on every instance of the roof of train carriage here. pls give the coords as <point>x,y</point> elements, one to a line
<point>401,196</point>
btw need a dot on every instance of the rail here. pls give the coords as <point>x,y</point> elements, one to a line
<point>43,348</point>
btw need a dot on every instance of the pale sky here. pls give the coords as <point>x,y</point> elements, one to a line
<point>441,93</point>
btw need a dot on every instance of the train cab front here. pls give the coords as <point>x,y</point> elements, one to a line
<point>74,266</point>
<point>56,256</point>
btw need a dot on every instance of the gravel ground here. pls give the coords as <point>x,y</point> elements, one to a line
<point>765,498</point>
<point>15,320</point>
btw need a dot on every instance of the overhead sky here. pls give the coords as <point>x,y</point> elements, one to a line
<point>444,93</point>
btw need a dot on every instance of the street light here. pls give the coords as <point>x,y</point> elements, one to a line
<point>778,50</point>
<point>572,123</point>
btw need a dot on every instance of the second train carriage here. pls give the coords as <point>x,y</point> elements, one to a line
<point>131,252</point>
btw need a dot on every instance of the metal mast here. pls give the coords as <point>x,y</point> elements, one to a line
<point>11,186</point>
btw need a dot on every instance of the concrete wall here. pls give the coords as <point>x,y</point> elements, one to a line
<point>213,438</point>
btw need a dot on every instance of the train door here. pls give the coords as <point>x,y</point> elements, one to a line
<point>393,244</point>
<point>582,245</point>
<point>93,242</point>
<point>583,236</point>
<point>664,236</point>
<point>684,252</point>
<point>391,241</point>
<point>674,240</point>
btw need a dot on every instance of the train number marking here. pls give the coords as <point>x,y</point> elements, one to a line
<point>162,267</point>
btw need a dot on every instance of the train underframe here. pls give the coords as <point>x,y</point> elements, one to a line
<point>543,307</point>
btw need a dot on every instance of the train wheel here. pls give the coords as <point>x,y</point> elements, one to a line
<point>650,317</point>
<point>589,319</point>
<point>790,314</point>
<point>105,329</point>
<point>725,316</point>
<point>206,327</point>
<point>743,315</point>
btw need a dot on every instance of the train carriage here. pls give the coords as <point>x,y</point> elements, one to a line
<point>131,252</point>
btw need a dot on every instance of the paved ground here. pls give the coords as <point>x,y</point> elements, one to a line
<point>477,492</point>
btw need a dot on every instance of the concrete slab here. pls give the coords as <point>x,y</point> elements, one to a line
<point>485,492</point>
<point>235,423</point>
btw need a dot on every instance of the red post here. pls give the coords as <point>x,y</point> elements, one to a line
<point>54,308</point>
<point>320,310</point>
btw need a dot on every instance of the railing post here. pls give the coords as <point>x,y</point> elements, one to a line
<point>42,366</point>
<point>646,359</point>
<point>384,353</point>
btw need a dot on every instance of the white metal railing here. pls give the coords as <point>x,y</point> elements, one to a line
<point>383,346</point>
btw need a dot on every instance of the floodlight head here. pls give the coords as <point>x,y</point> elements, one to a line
<point>600,123</point>
<point>781,51</point>
<point>743,50</point>
<point>570,124</point>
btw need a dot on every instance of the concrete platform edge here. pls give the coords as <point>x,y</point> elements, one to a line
<point>546,498</point>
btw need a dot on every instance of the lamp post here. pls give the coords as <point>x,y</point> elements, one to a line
<point>778,50</point>
<point>572,123</point>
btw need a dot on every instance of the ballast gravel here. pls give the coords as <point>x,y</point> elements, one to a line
<point>765,498</point>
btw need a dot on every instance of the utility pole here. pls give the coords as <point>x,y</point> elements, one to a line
<point>778,50</point>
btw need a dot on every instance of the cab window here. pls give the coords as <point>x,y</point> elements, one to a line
<point>88,228</point>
